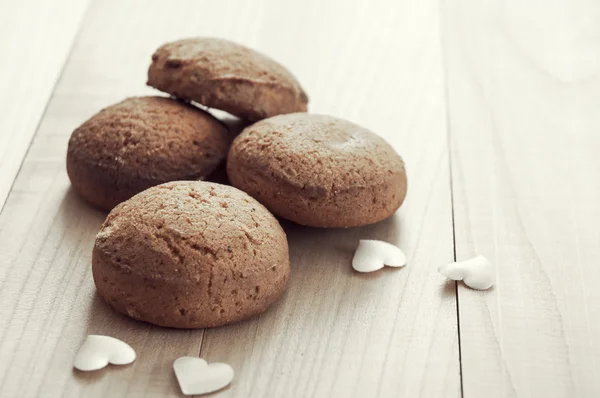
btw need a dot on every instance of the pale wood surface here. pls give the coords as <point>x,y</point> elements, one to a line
<point>35,39</point>
<point>524,99</point>
<point>335,332</point>
<point>521,82</point>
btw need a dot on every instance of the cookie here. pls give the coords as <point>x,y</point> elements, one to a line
<point>318,170</point>
<point>228,76</point>
<point>142,142</point>
<point>190,254</point>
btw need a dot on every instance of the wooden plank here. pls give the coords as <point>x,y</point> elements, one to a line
<point>35,41</point>
<point>524,94</point>
<point>335,332</point>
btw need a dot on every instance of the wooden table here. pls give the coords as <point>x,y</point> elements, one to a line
<point>495,107</point>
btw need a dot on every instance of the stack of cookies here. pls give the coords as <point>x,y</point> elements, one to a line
<point>177,250</point>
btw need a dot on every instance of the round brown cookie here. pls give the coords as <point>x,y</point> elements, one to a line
<point>142,142</point>
<point>190,254</point>
<point>318,170</point>
<point>228,76</point>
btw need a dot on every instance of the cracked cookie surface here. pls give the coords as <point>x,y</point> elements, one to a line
<point>318,170</point>
<point>190,255</point>
<point>225,75</point>
<point>141,142</point>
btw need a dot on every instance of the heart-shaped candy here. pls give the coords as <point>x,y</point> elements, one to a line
<point>98,351</point>
<point>196,376</point>
<point>372,255</point>
<point>477,273</point>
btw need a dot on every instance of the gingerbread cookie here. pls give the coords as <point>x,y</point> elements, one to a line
<point>141,142</point>
<point>228,76</point>
<point>318,170</point>
<point>190,255</point>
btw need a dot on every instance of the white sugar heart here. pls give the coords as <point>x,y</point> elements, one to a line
<point>477,273</point>
<point>98,351</point>
<point>372,255</point>
<point>196,376</point>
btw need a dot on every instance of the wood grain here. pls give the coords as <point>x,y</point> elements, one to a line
<point>335,333</point>
<point>524,93</point>
<point>34,42</point>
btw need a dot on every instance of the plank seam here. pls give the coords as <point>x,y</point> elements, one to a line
<point>442,29</point>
